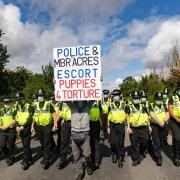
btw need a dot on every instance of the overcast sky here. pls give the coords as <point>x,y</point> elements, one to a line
<point>134,35</point>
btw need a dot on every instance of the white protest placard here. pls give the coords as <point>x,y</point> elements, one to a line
<point>77,73</point>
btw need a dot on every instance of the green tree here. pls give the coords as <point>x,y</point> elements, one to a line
<point>35,83</point>
<point>4,56</point>
<point>129,84</point>
<point>4,59</point>
<point>151,84</point>
<point>48,73</point>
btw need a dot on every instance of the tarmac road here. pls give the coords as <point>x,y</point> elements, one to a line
<point>147,170</point>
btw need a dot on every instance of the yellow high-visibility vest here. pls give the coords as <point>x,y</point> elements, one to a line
<point>176,106</point>
<point>43,116</point>
<point>138,117</point>
<point>95,112</point>
<point>23,115</point>
<point>117,114</point>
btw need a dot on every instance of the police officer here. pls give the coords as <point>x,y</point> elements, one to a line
<point>174,111</point>
<point>165,95</point>
<point>116,118</point>
<point>8,131</point>
<point>43,118</point>
<point>159,117</point>
<point>24,113</point>
<point>95,116</point>
<point>138,128</point>
<point>63,117</point>
<point>105,103</point>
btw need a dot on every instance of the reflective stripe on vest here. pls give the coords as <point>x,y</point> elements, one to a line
<point>176,106</point>
<point>117,114</point>
<point>95,112</point>
<point>23,115</point>
<point>137,117</point>
<point>42,116</point>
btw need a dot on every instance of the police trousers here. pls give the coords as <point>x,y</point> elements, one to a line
<point>117,137</point>
<point>25,135</point>
<point>104,120</point>
<point>81,148</point>
<point>44,134</point>
<point>7,142</point>
<point>158,137</point>
<point>65,139</point>
<point>175,127</point>
<point>94,142</point>
<point>139,140</point>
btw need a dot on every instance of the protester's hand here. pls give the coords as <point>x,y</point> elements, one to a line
<point>129,130</point>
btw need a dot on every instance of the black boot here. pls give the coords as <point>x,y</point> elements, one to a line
<point>176,162</point>
<point>10,161</point>
<point>89,170</point>
<point>30,162</point>
<point>25,165</point>
<point>79,176</point>
<point>96,166</point>
<point>120,162</point>
<point>142,156</point>
<point>159,161</point>
<point>114,158</point>
<point>136,162</point>
<point>45,165</point>
<point>61,164</point>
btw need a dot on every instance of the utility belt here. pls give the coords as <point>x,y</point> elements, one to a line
<point>27,125</point>
<point>165,123</point>
<point>11,129</point>
<point>39,126</point>
<point>139,127</point>
<point>115,124</point>
<point>157,125</point>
